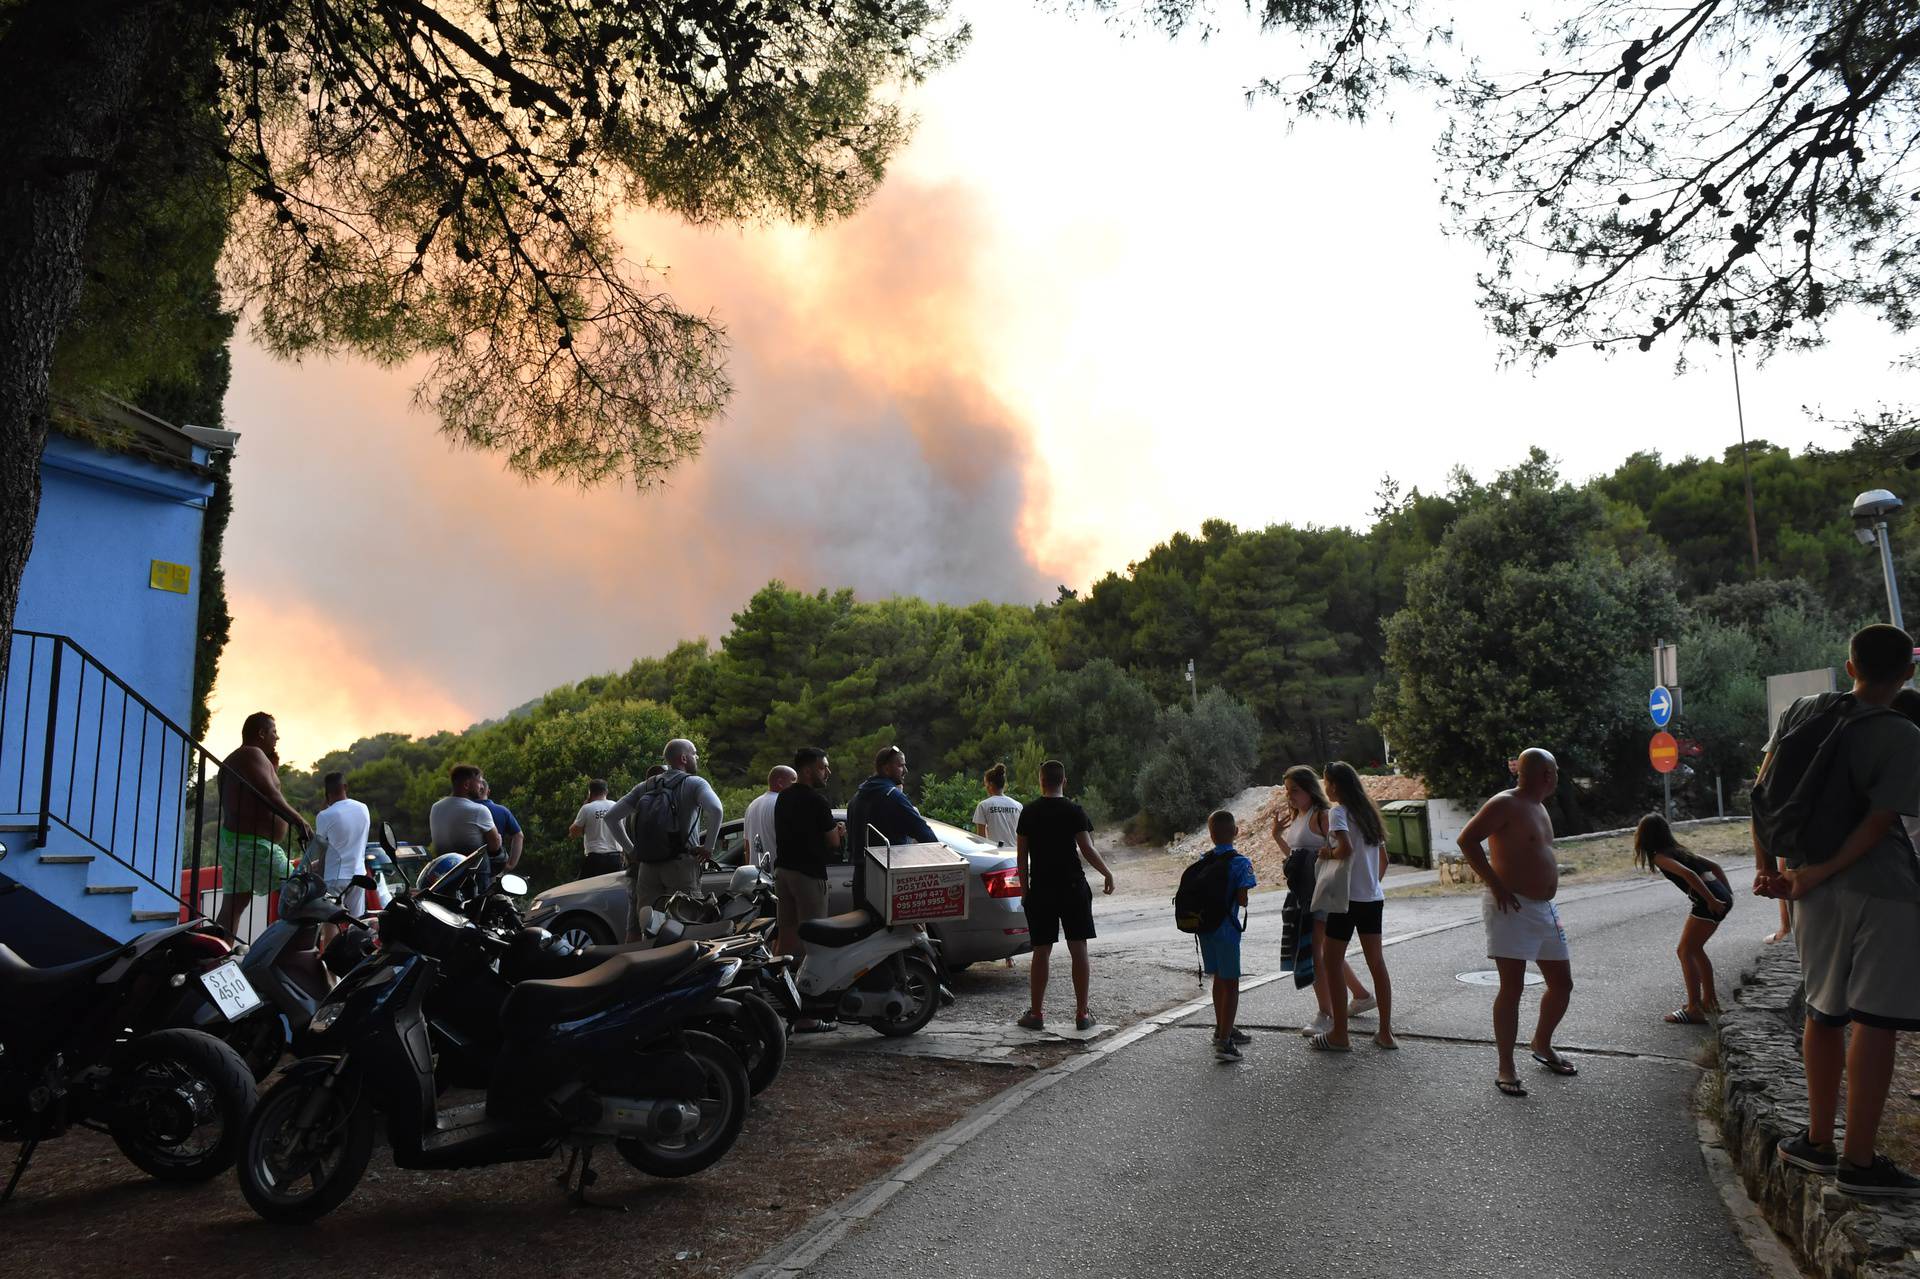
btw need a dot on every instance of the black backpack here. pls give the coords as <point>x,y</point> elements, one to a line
<point>1204,899</point>
<point>655,827</point>
<point>1804,806</point>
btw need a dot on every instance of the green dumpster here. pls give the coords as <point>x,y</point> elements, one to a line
<point>1408,838</point>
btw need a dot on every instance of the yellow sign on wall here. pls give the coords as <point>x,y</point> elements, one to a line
<point>169,577</point>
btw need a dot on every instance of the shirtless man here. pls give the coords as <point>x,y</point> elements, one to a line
<point>1522,924</point>
<point>251,846</point>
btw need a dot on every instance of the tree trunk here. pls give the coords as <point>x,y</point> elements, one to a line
<point>68,71</point>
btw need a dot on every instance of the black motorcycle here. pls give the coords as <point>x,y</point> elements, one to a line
<point>608,1055</point>
<point>89,1045</point>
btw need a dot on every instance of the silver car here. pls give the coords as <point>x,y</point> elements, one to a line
<point>593,911</point>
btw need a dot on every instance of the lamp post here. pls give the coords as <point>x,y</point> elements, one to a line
<point>1870,512</point>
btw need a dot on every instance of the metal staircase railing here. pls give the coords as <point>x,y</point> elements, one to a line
<point>82,751</point>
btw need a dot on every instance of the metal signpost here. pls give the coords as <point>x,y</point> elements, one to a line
<point>1663,752</point>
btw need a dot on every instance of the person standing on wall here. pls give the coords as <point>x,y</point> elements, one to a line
<point>250,849</point>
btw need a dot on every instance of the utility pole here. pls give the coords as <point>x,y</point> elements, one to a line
<point>1193,684</point>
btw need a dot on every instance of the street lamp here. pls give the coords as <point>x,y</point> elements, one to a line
<point>1870,512</point>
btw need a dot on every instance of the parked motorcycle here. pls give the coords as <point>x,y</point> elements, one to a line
<point>855,968</point>
<point>608,1055</point>
<point>88,1044</point>
<point>288,970</point>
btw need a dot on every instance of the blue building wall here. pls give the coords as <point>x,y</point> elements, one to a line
<point>110,783</point>
<point>104,518</point>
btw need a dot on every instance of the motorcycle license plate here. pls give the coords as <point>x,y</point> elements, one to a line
<point>230,990</point>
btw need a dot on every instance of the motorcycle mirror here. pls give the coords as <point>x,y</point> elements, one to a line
<point>513,885</point>
<point>3,852</point>
<point>386,838</point>
<point>364,881</point>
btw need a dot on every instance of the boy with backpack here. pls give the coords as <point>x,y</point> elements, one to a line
<point>1839,773</point>
<point>1205,905</point>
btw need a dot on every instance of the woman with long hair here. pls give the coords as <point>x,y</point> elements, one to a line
<point>1706,886</point>
<point>1358,834</point>
<point>1301,823</point>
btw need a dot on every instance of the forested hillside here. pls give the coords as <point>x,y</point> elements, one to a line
<point>1531,605</point>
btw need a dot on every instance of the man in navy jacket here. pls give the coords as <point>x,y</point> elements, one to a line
<point>879,803</point>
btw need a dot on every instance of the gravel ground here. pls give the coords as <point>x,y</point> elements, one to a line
<point>827,1126</point>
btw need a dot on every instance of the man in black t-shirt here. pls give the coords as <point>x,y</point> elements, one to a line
<point>805,836</point>
<point>1052,838</point>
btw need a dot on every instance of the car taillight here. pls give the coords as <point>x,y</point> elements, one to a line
<point>1002,883</point>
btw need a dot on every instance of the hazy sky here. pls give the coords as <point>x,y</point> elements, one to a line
<point>1100,299</point>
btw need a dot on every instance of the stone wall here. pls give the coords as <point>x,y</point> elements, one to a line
<point>1763,1098</point>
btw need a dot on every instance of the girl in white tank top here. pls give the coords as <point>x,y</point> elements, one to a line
<point>1309,808</point>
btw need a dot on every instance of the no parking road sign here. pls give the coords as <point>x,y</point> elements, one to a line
<point>1660,706</point>
<point>1664,753</point>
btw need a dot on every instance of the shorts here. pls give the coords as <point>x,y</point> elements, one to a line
<point>802,897</point>
<point>601,864</point>
<point>1858,956</point>
<point>1220,952</point>
<point>653,880</point>
<point>353,898</point>
<point>249,863</point>
<point>1359,917</point>
<point>1531,933</point>
<point>1700,910</point>
<point>1067,909</point>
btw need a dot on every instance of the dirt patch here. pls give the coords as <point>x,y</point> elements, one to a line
<point>827,1126</point>
<point>1600,861</point>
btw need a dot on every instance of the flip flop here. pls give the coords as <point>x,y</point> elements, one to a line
<point>1556,1063</point>
<point>1511,1087</point>
<point>1681,1017</point>
<point>1325,1044</point>
<point>1389,1045</point>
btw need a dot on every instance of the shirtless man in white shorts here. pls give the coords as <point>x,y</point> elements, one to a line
<point>1522,925</point>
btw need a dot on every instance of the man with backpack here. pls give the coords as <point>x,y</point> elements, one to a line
<point>1840,772</point>
<point>1205,905</point>
<point>675,817</point>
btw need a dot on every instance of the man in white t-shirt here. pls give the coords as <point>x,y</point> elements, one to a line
<point>340,832</point>
<point>590,826</point>
<point>758,825</point>
<point>997,817</point>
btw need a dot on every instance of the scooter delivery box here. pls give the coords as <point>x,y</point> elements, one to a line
<point>917,883</point>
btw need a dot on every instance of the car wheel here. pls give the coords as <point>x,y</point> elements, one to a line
<point>581,931</point>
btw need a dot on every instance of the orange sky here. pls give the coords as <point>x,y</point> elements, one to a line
<point>1099,299</point>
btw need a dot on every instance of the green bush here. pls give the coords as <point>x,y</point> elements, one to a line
<point>1204,757</point>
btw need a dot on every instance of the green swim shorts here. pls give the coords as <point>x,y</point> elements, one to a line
<point>250,863</point>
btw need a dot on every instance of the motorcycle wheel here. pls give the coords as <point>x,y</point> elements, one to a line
<point>763,1041</point>
<point>178,1103</point>
<point>923,999</point>
<point>290,1176</point>
<point>723,1111</point>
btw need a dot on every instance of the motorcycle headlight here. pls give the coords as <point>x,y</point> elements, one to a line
<point>324,1017</point>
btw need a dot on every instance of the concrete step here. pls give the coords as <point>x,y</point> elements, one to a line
<point>154,916</point>
<point>65,859</point>
<point>100,890</point>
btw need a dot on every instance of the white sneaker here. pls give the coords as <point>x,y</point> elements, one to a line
<point>1318,1026</point>
<point>1360,1007</point>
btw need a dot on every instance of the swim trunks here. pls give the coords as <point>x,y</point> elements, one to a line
<point>1532,932</point>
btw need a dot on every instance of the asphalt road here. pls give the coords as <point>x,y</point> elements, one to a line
<point>1160,1160</point>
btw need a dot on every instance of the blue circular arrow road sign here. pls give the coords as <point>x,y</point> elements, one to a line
<point>1660,706</point>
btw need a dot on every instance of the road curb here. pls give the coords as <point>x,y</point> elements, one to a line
<point>1762,1099</point>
